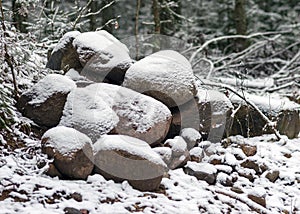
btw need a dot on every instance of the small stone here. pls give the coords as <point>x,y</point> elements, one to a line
<point>202,171</point>
<point>180,155</point>
<point>71,210</point>
<point>237,190</point>
<point>216,159</point>
<point>197,154</point>
<point>259,200</point>
<point>76,196</point>
<point>251,165</point>
<point>191,136</point>
<point>249,150</point>
<point>224,179</point>
<point>272,175</point>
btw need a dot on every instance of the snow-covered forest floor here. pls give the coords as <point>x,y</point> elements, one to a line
<point>25,189</point>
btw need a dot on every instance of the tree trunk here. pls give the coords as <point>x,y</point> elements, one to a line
<point>93,19</point>
<point>19,17</point>
<point>107,15</point>
<point>240,23</point>
<point>156,16</point>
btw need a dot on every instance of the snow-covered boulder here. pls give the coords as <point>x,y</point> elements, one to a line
<point>165,75</point>
<point>191,136</point>
<point>121,157</point>
<point>44,102</point>
<point>64,55</point>
<point>99,56</point>
<point>202,171</point>
<point>180,154</point>
<point>103,108</point>
<point>102,56</point>
<point>71,150</point>
<point>247,121</point>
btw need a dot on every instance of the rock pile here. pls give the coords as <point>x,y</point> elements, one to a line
<point>157,120</point>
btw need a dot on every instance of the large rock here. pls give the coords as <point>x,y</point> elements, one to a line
<point>44,102</point>
<point>121,157</point>
<point>209,113</point>
<point>64,55</point>
<point>248,122</point>
<point>99,56</point>
<point>166,76</point>
<point>71,150</point>
<point>103,108</point>
<point>103,57</point>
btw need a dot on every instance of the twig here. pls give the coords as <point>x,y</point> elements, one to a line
<point>258,208</point>
<point>7,56</point>
<point>201,48</point>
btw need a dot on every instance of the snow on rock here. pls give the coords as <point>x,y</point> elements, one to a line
<point>249,122</point>
<point>140,116</point>
<point>121,157</point>
<point>64,55</point>
<point>80,80</point>
<point>215,111</point>
<point>44,102</point>
<point>180,154</point>
<point>104,108</point>
<point>202,171</point>
<point>88,113</point>
<point>103,57</point>
<point>191,136</point>
<point>71,150</point>
<point>165,75</point>
<point>197,154</point>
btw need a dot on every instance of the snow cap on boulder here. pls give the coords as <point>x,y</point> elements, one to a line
<point>165,75</point>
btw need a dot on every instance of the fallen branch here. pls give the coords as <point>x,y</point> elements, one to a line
<point>202,47</point>
<point>269,123</point>
<point>254,206</point>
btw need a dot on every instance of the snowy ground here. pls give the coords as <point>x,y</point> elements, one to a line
<point>25,189</point>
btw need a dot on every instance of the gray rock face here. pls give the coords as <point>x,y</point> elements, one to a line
<point>64,55</point>
<point>202,171</point>
<point>166,76</point>
<point>103,108</point>
<point>44,102</point>
<point>209,113</point>
<point>247,121</point>
<point>71,150</point>
<point>121,157</point>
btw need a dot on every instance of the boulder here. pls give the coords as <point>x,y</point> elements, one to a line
<point>44,102</point>
<point>121,157</point>
<point>248,122</point>
<point>197,154</point>
<point>202,171</point>
<point>64,55</point>
<point>191,136</point>
<point>209,113</point>
<point>165,75</point>
<point>71,151</point>
<point>103,108</point>
<point>103,57</point>
<point>180,154</point>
